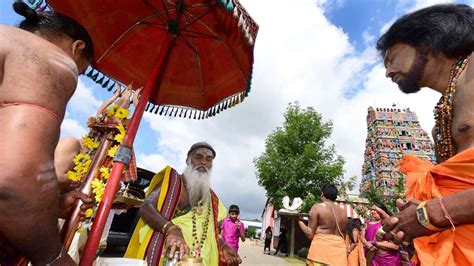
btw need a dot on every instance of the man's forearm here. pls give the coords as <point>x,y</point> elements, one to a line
<point>458,206</point>
<point>153,218</point>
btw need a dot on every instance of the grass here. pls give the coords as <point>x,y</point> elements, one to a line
<point>295,260</point>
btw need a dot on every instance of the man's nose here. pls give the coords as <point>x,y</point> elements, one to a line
<point>389,71</point>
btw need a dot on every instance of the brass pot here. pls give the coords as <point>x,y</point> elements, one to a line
<point>191,261</point>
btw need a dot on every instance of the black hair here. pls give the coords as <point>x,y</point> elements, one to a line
<point>384,208</point>
<point>53,24</point>
<point>234,208</point>
<point>351,225</point>
<point>329,192</point>
<point>446,28</point>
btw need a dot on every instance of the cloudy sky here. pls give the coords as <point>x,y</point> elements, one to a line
<point>317,52</point>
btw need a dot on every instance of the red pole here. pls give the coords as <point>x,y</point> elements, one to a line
<point>154,80</point>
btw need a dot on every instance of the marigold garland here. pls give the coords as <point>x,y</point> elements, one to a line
<point>118,116</point>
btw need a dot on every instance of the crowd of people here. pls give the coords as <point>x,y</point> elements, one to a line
<point>42,59</point>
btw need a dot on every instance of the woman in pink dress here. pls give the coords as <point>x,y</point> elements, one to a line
<point>377,250</point>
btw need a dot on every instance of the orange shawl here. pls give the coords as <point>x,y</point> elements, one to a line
<point>425,181</point>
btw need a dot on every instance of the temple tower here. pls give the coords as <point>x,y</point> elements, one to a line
<point>391,133</point>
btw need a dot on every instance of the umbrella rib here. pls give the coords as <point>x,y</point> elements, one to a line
<point>166,10</point>
<point>196,51</point>
<point>155,11</point>
<point>203,91</point>
<point>196,34</point>
<point>187,43</point>
<point>198,16</point>
<point>162,26</point>
<point>138,23</point>
<point>226,47</point>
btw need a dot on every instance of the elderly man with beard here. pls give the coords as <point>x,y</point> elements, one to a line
<point>432,48</point>
<point>181,213</point>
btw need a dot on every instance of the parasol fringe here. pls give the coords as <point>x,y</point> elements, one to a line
<point>111,87</point>
<point>147,106</point>
<point>100,80</point>
<point>89,74</point>
<point>186,114</point>
<point>106,83</point>
<point>181,113</point>
<point>176,112</point>
<point>95,76</point>
<point>157,109</point>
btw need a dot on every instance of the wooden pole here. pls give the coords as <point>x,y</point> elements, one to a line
<point>292,240</point>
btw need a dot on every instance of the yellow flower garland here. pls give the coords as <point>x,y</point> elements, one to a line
<point>83,161</point>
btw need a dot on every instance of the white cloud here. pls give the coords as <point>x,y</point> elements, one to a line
<point>368,38</point>
<point>83,101</point>
<point>72,128</point>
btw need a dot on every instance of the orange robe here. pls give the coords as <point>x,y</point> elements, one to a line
<point>426,181</point>
<point>356,257</point>
<point>327,249</point>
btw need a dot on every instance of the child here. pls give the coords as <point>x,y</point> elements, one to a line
<point>233,228</point>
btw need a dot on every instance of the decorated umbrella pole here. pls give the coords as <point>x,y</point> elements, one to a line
<point>193,57</point>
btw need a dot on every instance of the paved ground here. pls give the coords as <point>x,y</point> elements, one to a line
<point>251,253</point>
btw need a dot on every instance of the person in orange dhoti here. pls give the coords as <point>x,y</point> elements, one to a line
<point>431,48</point>
<point>326,229</point>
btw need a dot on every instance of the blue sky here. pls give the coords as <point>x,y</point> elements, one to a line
<point>317,52</point>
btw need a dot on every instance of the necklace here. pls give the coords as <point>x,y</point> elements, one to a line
<point>197,244</point>
<point>443,113</point>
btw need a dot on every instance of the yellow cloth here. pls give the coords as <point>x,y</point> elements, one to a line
<point>209,252</point>
<point>327,250</point>
<point>143,233</point>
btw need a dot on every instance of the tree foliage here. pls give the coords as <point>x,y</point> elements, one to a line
<point>376,194</point>
<point>297,162</point>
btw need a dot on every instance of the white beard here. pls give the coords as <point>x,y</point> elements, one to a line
<point>198,185</point>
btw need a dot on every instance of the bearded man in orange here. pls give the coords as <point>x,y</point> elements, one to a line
<point>432,48</point>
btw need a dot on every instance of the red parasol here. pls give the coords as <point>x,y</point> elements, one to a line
<point>193,55</point>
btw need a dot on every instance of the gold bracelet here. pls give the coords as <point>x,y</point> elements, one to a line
<point>172,228</point>
<point>164,229</point>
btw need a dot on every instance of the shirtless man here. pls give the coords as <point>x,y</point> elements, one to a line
<point>326,229</point>
<point>431,48</point>
<point>39,67</point>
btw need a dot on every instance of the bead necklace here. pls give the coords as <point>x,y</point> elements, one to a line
<point>198,244</point>
<point>443,114</point>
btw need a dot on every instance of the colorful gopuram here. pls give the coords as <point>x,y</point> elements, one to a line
<point>391,133</point>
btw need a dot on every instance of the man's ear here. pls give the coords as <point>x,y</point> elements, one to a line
<point>77,47</point>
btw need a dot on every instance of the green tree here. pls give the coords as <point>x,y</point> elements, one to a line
<point>377,195</point>
<point>297,162</point>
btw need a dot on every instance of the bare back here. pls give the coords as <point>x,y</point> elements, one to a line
<point>323,220</point>
<point>37,79</point>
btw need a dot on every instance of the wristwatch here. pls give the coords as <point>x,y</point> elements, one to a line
<point>423,218</point>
